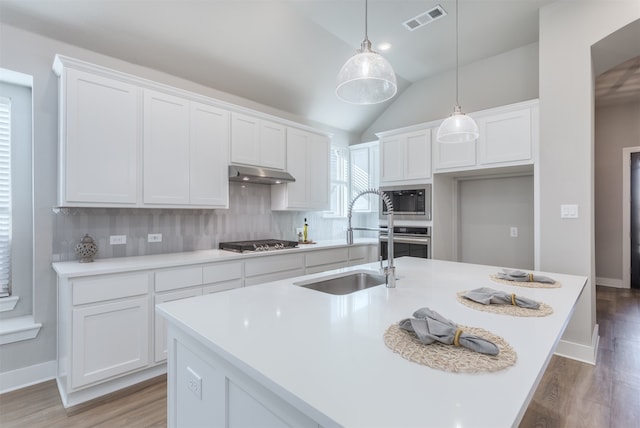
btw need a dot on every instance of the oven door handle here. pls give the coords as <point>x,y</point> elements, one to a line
<point>406,240</point>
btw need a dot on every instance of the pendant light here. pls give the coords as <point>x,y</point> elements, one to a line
<point>366,78</point>
<point>458,128</point>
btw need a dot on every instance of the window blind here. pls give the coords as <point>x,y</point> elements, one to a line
<point>5,197</point>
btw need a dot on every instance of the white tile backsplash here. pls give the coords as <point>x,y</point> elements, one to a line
<point>249,217</point>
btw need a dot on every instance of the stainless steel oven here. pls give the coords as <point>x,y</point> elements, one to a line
<point>409,202</point>
<point>407,241</point>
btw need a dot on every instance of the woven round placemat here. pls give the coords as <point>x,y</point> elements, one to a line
<point>525,283</point>
<point>515,311</point>
<point>448,357</point>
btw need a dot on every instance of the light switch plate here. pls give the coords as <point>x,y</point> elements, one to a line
<point>568,211</point>
<point>514,232</point>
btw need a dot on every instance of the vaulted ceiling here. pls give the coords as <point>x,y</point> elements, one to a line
<point>284,54</point>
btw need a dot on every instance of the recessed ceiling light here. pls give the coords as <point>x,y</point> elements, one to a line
<point>384,46</point>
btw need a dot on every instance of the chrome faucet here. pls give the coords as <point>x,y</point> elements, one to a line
<point>390,270</point>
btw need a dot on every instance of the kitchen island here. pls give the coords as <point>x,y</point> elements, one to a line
<point>278,354</point>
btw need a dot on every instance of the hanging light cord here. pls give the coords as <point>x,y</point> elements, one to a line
<point>457,66</point>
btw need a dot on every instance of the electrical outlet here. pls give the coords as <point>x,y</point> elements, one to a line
<point>154,237</point>
<point>514,232</point>
<point>194,383</point>
<point>117,239</point>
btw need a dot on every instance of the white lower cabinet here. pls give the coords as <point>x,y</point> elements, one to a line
<point>114,338</point>
<point>273,268</point>
<point>323,260</point>
<point>208,391</point>
<point>109,336</point>
<point>105,327</point>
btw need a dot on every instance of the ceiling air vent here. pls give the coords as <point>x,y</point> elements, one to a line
<point>425,18</point>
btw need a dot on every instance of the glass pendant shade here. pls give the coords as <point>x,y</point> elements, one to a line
<point>366,78</point>
<point>458,128</point>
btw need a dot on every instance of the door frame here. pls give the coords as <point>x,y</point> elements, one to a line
<point>626,214</point>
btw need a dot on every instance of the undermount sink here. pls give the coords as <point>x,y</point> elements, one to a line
<point>344,283</point>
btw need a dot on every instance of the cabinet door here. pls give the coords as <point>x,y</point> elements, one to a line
<point>109,339</point>
<point>245,138</point>
<point>392,158</point>
<point>298,144</point>
<point>209,156</point>
<point>166,149</point>
<point>318,173</point>
<point>99,140</point>
<point>453,155</point>
<point>160,326</point>
<point>505,137</point>
<point>272,145</point>
<point>417,155</point>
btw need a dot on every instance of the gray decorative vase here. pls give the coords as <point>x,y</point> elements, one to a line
<point>86,249</point>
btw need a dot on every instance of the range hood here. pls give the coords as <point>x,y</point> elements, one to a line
<point>254,174</point>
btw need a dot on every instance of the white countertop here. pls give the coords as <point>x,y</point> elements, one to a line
<point>127,264</point>
<point>326,355</point>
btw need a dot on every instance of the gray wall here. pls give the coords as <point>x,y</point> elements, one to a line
<point>488,208</point>
<point>492,82</point>
<point>32,54</point>
<point>616,127</point>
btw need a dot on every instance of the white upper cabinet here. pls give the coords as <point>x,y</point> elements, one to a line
<point>185,152</point>
<point>505,137</point>
<point>209,154</point>
<point>308,163</point>
<point>508,137</point>
<point>405,158</point>
<point>257,142</point>
<point>453,155</point>
<point>99,140</point>
<point>166,149</point>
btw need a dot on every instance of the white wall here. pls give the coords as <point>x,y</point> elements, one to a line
<point>616,127</point>
<point>567,32</point>
<point>492,82</point>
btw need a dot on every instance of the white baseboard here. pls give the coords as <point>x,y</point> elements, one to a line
<point>576,351</point>
<point>26,376</point>
<point>610,282</point>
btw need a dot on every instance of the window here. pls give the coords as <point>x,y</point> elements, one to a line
<point>5,197</point>
<point>339,181</point>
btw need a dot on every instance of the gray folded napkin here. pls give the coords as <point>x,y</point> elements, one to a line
<point>429,326</point>
<point>488,296</point>
<point>521,276</point>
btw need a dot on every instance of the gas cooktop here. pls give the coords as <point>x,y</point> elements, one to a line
<point>259,245</point>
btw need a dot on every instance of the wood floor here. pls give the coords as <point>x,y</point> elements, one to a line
<point>571,394</point>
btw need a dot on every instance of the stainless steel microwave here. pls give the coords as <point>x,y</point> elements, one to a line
<point>411,202</point>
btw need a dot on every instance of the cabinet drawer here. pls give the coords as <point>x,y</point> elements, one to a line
<point>323,268</point>
<point>171,279</point>
<point>221,286</point>
<point>325,257</point>
<point>270,264</point>
<point>360,252</point>
<point>219,272</point>
<point>276,276</point>
<point>109,287</point>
